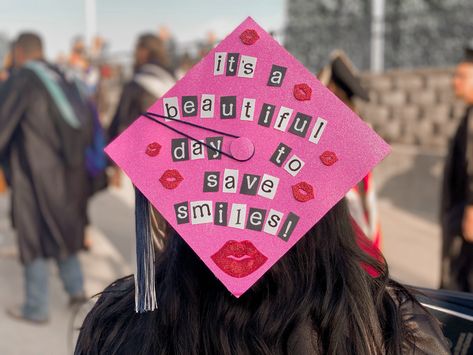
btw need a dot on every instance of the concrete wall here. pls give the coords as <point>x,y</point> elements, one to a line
<point>417,33</point>
<point>414,107</point>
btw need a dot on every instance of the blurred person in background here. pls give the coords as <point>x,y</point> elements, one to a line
<point>97,49</point>
<point>5,72</point>
<point>186,62</point>
<point>82,68</point>
<point>6,67</point>
<point>80,64</point>
<point>170,47</point>
<point>208,44</point>
<point>150,81</point>
<point>103,72</point>
<point>45,127</point>
<point>457,197</point>
<point>341,77</point>
<point>77,61</point>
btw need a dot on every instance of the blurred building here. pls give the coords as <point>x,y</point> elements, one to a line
<point>417,33</point>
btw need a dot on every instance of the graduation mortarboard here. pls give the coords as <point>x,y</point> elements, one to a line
<point>343,73</point>
<point>242,157</point>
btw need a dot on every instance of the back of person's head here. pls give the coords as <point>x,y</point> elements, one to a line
<point>463,81</point>
<point>27,46</point>
<point>151,49</point>
<point>463,78</point>
<point>78,45</point>
<point>320,288</point>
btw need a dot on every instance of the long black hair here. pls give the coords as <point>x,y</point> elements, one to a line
<point>321,282</point>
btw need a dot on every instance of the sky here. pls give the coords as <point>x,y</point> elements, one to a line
<point>120,21</point>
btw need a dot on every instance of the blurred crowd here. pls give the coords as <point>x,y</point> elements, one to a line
<point>102,71</point>
<point>55,120</point>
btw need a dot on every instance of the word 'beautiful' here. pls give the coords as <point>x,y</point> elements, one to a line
<point>284,119</point>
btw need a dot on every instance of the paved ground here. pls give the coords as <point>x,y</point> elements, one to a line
<point>408,184</point>
<point>105,262</point>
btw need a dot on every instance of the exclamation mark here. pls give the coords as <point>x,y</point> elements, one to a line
<point>288,227</point>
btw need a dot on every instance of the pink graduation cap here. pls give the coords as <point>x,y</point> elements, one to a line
<point>243,156</point>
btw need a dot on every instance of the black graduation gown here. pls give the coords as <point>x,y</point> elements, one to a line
<point>136,99</point>
<point>49,196</point>
<point>457,254</point>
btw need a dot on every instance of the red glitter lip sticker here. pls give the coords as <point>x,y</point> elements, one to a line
<point>302,92</point>
<point>238,259</point>
<point>303,191</point>
<point>328,158</point>
<point>153,149</point>
<point>171,179</point>
<point>249,37</point>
